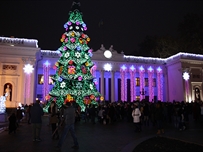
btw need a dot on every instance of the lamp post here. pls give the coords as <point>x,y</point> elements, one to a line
<point>142,93</point>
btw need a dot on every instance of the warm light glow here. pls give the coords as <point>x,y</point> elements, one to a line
<point>28,69</point>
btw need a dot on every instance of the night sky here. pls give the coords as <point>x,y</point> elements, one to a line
<point>125,22</point>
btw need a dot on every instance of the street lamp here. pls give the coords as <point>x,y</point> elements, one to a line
<point>142,93</point>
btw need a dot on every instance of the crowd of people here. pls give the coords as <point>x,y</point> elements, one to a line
<point>140,113</point>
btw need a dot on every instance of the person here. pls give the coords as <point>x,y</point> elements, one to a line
<point>54,119</point>
<point>19,115</point>
<point>8,93</point>
<point>69,120</point>
<point>136,114</point>
<point>12,123</point>
<point>29,114</point>
<point>36,120</point>
<point>159,117</point>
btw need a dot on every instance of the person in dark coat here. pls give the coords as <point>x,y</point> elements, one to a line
<point>36,120</point>
<point>12,123</point>
<point>159,117</point>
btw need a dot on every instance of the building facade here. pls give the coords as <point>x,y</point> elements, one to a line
<point>119,77</point>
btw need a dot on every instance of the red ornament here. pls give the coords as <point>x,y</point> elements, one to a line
<point>70,62</point>
<point>83,35</point>
<point>92,97</point>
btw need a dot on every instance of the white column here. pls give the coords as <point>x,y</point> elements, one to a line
<point>112,86</point>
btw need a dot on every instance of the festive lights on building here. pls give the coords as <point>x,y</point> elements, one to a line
<point>46,69</point>
<point>150,79</point>
<point>123,71</point>
<point>107,67</point>
<point>186,76</point>
<point>132,83</point>
<point>141,73</point>
<point>28,68</point>
<point>160,83</point>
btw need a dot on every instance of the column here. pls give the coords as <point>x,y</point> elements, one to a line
<point>132,84</point>
<point>28,81</point>
<point>160,83</point>
<point>112,86</point>
<point>46,69</point>
<point>150,78</point>
<point>106,92</point>
<point>142,91</point>
<point>102,83</point>
<point>123,71</point>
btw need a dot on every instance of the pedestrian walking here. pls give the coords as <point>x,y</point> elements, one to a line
<point>36,120</point>
<point>69,120</point>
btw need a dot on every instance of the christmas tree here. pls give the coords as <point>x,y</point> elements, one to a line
<point>74,81</point>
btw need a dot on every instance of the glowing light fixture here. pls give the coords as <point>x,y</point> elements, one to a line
<point>123,67</point>
<point>28,68</point>
<point>132,68</point>
<point>150,69</point>
<point>159,69</point>
<point>47,64</point>
<point>141,68</point>
<point>186,76</point>
<point>107,67</point>
<point>108,54</point>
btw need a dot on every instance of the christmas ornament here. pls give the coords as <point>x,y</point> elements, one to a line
<point>71,70</point>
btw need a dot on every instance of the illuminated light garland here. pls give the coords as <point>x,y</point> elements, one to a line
<point>141,73</point>
<point>19,41</point>
<point>46,69</point>
<point>27,78</point>
<point>132,83</point>
<point>28,69</point>
<point>160,83</point>
<point>123,71</point>
<point>150,78</point>
<point>179,55</point>
<point>2,104</point>
<point>186,77</point>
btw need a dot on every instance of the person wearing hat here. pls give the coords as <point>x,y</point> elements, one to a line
<point>69,120</point>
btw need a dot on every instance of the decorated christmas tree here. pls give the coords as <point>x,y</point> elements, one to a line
<point>74,81</point>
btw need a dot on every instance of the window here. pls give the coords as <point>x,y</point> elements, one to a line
<point>137,98</point>
<point>41,79</point>
<point>137,81</point>
<point>146,82</point>
<point>154,82</point>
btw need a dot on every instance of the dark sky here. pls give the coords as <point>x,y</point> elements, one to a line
<point>125,22</point>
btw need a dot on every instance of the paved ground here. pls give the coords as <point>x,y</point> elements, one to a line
<point>116,137</point>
